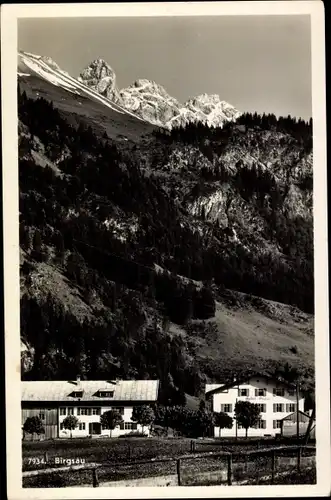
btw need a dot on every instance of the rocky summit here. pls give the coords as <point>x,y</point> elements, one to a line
<point>151,101</point>
<point>101,77</point>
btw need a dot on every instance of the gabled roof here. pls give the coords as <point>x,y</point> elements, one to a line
<point>294,414</point>
<point>62,390</point>
<point>222,387</point>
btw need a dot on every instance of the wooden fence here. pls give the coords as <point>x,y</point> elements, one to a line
<point>231,459</point>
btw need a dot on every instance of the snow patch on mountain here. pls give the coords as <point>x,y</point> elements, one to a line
<point>62,79</point>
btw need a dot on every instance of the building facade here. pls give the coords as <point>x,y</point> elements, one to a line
<point>87,400</point>
<point>276,400</point>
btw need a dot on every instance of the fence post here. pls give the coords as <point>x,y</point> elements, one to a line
<point>95,478</point>
<point>129,451</point>
<point>230,469</point>
<point>273,464</point>
<point>299,458</point>
<point>46,457</point>
<point>246,462</point>
<point>191,449</point>
<point>178,472</point>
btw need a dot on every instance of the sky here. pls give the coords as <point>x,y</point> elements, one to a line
<point>256,63</point>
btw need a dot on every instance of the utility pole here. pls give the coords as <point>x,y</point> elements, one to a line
<point>310,424</point>
<point>297,397</point>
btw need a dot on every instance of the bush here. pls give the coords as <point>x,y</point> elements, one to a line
<point>134,434</point>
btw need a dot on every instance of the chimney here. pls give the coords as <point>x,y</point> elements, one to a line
<point>78,379</point>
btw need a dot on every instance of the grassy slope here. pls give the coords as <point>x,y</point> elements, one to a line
<point>252,336</point>
<point>78,108</point>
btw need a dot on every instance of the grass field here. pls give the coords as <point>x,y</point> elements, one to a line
<point>111,457</point>
<point>103,449</point>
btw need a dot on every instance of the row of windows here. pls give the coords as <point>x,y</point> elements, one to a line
<point>262,424</point>
<point>280,407</point>
<point>81,426</point>
<point>277,408</point>
<point>277,391</point>
<point>88,411</point>
<point>123,426</point>
<point>100,394</point>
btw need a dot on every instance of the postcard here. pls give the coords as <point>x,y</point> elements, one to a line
<point>165,250</point>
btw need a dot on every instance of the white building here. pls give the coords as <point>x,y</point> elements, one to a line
<point>53,401</point>
<point>276,399</point>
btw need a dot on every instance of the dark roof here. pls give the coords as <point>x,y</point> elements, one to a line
<point>242,380</point>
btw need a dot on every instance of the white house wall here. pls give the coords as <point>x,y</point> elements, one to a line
<point>87,419</point>
<point>231,396</point>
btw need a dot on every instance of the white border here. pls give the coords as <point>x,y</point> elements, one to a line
<point>9,16</point>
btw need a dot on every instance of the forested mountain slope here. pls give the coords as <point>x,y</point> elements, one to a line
<point>172,258</point>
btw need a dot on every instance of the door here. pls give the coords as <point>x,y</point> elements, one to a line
<point>94,428</point>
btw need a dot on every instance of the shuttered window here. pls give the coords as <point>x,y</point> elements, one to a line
<point>226,408</point>
<point>260,392</point>
<point>261,424</point>
<point>119,409</point>
<point>278,407</point>
<point>291,407</point>
<point>262,408</point>
<point>278,391</point>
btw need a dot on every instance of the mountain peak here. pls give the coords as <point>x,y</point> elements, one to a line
<point>101,77</point>
<point>150,100</point>
<point>97,70</point>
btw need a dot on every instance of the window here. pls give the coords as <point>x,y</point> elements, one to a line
<point>84,411</point>
<point>106,394</point>
<point>277,424</point>
<point>63,411</point>
<point>278,391</point>
<point>82,426</point>
<point>226,408</point>
<point>122,426</point>
<point>70,411</point>
<point>291,392</point>
<point>260,392</point>
<point>61,426</point>
<point>243,392</point>
<point>96,411</point>
<point>278,408</point>
<point>77,394</point>
<point>42,416</point>
<point>291,407</point>
<point>262,408</point>
<point>261,424</point>
<point>130,426</point>
<point>120,409</point>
